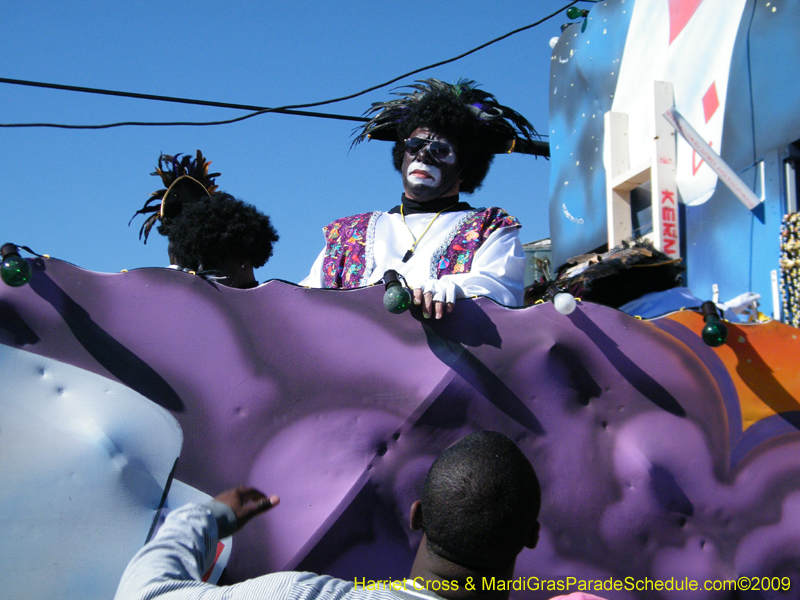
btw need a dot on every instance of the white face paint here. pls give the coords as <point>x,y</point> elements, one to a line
<point>418,173</point>
<point>426,178</point>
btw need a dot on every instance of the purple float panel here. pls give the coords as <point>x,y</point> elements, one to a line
<point>338,406</point>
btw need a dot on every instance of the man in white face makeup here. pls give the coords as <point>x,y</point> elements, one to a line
<point>445,138</point>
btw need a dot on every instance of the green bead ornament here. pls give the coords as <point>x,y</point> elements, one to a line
<point>397,299</point>
<point>714,332</point>
<point>573,12</point>
<point>15,270</point>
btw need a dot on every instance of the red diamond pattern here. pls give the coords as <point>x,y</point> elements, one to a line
<point>710,102</point>
<point>680,13</point>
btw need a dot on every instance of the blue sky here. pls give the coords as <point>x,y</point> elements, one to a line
<point>70,194</point>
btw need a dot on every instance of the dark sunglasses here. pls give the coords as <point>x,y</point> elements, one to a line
<point>437,150</point>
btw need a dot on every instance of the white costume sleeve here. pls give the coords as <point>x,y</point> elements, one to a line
<point>498,271</point>
<point>314,277</point>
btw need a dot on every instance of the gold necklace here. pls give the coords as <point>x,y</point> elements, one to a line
<point>410,252</point>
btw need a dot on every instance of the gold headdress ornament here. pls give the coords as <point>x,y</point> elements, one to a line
<point>185,180</point>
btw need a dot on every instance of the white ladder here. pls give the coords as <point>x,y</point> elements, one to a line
<point>621,178</point>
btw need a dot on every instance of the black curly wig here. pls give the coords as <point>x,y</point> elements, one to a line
<point>219,228</point>
<point>445,114</point>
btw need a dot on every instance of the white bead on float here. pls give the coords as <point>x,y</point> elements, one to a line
<point>564,303</point>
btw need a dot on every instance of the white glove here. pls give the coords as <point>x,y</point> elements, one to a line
<point>443,290</point>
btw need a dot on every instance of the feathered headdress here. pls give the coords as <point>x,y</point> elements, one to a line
<point>506,129</point>
<point>185,180</point>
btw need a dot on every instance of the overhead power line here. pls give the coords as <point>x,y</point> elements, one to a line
<point>87,90</point>
<point>256,110</point>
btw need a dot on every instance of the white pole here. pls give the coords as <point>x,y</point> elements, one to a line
<point>713,160</point>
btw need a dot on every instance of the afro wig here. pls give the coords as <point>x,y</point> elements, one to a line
<point>470,118</point>
<point>444,114</point>
<point>219,228</point>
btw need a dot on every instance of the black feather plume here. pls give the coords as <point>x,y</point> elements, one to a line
<point>195,182</point>
<point>503,125</point>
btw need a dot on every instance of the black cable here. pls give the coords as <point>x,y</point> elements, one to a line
<point>258,109</point>
<point>290,109</point>
<point>172,123</point>
<point>438,64</point>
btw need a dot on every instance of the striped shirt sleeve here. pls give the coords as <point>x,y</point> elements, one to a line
<point>170,566</point>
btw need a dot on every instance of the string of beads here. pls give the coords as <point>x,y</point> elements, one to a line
<point>790,268</point>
